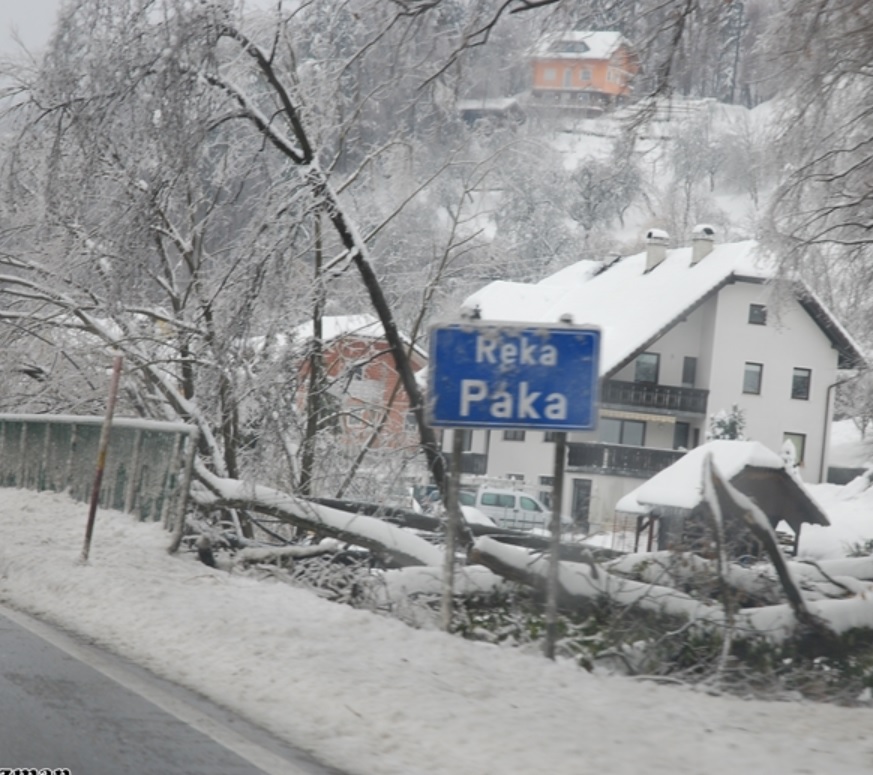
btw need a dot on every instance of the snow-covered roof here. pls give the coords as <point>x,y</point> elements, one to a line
<point>488,103</point>
<point>572,44</point>
<point>634,306</point>
<point>336,326</point>
<point>679,485</point>
<point>580,272</point>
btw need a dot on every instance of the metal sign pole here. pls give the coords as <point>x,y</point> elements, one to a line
<point>453,521</point>
<point>555,545</point>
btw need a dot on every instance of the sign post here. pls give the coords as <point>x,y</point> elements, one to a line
<point>514,376</point>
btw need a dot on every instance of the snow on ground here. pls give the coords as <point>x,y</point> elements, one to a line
<point>372,696</point>
<point>849,508</point>
<point>848,448</point>
<point>851,517</point>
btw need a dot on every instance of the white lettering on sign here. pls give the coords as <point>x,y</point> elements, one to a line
<point>526,404</point>
<point>472,391</point>
<point>522,352</point>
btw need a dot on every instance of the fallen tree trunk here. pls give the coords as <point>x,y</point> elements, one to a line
<point>278,555</point>
<point>581,585</point>
<point>402,517</point>
<point>679,569</point>
<point>401,546</point>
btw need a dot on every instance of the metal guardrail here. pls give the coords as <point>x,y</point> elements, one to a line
<point>144,463</point>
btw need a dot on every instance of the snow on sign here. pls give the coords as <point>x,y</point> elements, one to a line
<point>494,375</point>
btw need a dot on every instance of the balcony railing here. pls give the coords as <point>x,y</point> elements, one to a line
<point>667,397</point>
<point>619,459</point>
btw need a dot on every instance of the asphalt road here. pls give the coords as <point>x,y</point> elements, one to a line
<point>66,704</point>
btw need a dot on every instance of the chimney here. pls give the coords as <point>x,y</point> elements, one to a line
<point>702,241</point>
<point>656,247</point>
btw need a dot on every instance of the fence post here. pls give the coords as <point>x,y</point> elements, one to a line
<point>133,481</point>
<point>3,452</point>
<point>171,471</point>
<point>22,455</point>
<point>185,486</point>
<point>101,454</point>
<point>43,474</point>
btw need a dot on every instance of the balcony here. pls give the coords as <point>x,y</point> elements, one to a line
<point>647,396</point>
<point>619,459</point>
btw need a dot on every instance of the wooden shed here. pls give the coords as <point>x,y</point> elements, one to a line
<point>668,509</point>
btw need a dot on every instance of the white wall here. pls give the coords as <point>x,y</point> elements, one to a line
<point>531,458</point>
<point>789,339</point>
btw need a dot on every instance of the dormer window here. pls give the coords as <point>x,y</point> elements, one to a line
<point>758,314</point>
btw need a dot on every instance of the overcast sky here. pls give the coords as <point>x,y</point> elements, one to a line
<point>32,19</point>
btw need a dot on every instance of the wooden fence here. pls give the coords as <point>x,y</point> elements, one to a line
<point>144,463</point>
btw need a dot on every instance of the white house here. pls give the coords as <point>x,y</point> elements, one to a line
<point>686,333</point>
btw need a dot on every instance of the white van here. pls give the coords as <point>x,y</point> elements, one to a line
<point>511,509</point>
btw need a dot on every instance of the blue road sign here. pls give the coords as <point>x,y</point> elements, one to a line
<point>495,375</point>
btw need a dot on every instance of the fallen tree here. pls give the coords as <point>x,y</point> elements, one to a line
<point>401,547</point>
<point>581,586</point>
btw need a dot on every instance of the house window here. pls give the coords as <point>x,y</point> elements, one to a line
<point>646,369</point>
<point>758,314</point>
<point>681,435</point>
<point>585,74</point>
<point>800,380</point>
<point>550,74</point>
<point>799,442</point>
<point>568,77</point>
<point>631,432</point>
<point>689,371</point>
<point>466,439</point>
<point>513,435</point>
<point>550,436</point>
<point>515,477</point>
<point>355,419</point>
<point>581,504</point>
<point>752,378</point>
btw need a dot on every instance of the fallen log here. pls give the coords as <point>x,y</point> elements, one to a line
<point>279,555</point>
<point>402,547</point>
<point>580,585</point>
<point>680,569</point>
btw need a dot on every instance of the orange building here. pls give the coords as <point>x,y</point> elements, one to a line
<point>361,378</point>
<point>590,71</point>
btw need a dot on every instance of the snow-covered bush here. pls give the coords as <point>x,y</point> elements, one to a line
<point>727,425</point>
